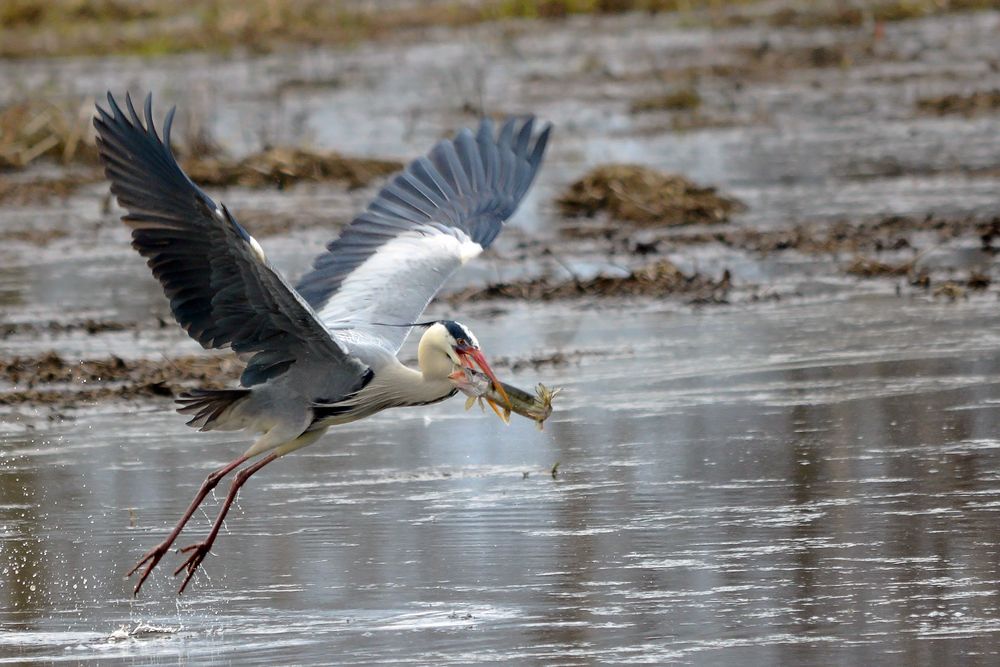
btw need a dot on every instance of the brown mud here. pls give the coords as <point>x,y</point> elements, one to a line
<point>968,105</point>
<point>54,327</point>
<point>51,379</point>
<point>878,234</point>
<point>659,279</point>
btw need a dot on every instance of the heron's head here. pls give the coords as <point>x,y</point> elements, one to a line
<point>461,348</point>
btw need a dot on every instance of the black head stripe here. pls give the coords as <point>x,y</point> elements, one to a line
<point>458,331</point>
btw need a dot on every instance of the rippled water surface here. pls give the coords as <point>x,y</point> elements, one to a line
<point>813,484</point>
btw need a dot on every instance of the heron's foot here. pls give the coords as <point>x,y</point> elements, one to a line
<point>198,552</point>
<point>150,560</point>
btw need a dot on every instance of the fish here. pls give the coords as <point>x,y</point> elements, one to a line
<point>479,388</point>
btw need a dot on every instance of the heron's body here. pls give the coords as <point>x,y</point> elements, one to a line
<point>324,352</point>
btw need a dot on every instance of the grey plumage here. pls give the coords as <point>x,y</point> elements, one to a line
<point>320,355</point>
<point>209,405</point>
<point>221,288</point>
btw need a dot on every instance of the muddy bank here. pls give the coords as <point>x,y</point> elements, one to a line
<point>48,135</point>
<point>876,234</point>
<point>276,167</point>
<point>50,379</point>
<point>279,167</point>
<point>968,105</point>
<point>661,278</point>
<point>54,327</point>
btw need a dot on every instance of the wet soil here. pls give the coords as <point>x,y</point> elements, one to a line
<point>89,326</point>
<point>978,102</point>
<point>660,279</point>
<point>50,379</point>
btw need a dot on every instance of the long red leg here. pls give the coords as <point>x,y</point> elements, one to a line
<point>200,549</point>
<point>154,555</point>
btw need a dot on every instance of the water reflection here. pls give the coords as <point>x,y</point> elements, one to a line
<point>765,501</point>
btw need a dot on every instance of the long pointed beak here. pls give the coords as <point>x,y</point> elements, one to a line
<point>477,356</point>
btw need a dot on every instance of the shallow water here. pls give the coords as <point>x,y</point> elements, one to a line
<point>808,481</point>
<point>805,484</point>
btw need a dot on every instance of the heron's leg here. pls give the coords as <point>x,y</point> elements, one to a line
<point>200,549</point>
<point>154,555</point>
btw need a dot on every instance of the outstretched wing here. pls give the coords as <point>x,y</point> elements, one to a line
<point>222,289</point>
<point>431,218</point>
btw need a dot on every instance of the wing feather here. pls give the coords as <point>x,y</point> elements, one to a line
<point>428,220</point>
<point>222,290</point>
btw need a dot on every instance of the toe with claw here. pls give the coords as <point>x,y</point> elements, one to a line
<point>198,552</point>
<point>150,560</point>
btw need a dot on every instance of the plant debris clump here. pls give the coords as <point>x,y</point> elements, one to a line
<point>48,378</point>
<point>646,197</point>
<point>866,267</point>
<point>32,130</point>
<point>684,99</point>
<point>981,101</point>
<point>284,166</point>
<point>662,278</point>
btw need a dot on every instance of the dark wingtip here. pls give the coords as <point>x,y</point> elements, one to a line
<point>131,110</point>
<point>541,142</point>
<point>168,123</point>
<point>147,110</point>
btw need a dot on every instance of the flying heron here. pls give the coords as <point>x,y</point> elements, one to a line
<point>323,352</point>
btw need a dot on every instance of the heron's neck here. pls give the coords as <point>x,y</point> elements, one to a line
<point>411,387</point>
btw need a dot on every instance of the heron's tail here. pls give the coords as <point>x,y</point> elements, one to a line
<point>211,407</point>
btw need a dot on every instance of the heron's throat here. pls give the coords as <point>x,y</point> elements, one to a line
<point>434,362</point>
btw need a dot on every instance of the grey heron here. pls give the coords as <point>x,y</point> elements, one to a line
<point>323,352</point>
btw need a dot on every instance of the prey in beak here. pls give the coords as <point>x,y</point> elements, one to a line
<point>471,357</point>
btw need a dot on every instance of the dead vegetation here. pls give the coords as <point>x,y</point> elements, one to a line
<point>879,234</point>
<point>683,99</point>
<point>646,197</point>
<point>40,129</point>
<point>812,15</point>
<point>866,267</point>
<point>37,237</point>
<point>154,27</point>
<point>280,167</point>
<point>31,28</point>
<point>50,379</point>
<point>36,131</point>
<point>661,278</point>
<point>54,327</point>
<point>968,105</point>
